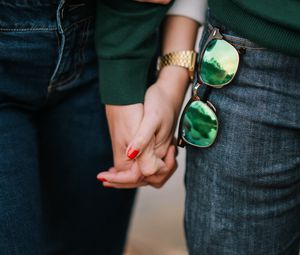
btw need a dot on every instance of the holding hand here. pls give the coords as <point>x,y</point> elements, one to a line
<point>124,121</point>
<point>156,161</point>
<point>150,155</point>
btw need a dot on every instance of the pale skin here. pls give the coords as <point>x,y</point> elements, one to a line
<point>149,127</point>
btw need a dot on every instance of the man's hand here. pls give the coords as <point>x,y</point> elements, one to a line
<point>156,158</point>
<point>133,177</point>
<point>150,150</point>
<point>123,122</point>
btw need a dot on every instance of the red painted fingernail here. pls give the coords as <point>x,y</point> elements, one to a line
<point>132,153</point>
<point>102,179</point>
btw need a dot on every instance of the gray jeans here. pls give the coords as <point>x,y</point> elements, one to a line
<point>243,193</point>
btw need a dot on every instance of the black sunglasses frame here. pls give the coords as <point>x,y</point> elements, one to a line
<point>214,34</point>
<point>181,142</point>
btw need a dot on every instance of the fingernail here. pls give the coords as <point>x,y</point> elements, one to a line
<point>102,179</point>
<point>132,153</point>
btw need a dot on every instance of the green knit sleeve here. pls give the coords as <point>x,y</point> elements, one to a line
<point>126,41</point>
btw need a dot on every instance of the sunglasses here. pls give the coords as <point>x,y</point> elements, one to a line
<point>217,66</point>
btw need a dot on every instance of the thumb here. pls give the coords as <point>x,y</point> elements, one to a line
<point>142,137</point>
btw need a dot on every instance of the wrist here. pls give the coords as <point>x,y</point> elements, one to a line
<point>176,74</point>
<point>173,81</point>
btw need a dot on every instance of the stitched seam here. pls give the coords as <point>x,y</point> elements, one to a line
<point>78,68</point>
<point>42,28</point>
<point>61,83</point>
<point>78,22</point>
<point>23,5</point>
<point>27,29</point>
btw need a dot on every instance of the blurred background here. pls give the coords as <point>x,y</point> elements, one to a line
<point>157,222</point>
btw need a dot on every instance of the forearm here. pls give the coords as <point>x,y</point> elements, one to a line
<point>179,34</point>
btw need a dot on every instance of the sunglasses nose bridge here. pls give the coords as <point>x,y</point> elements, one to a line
<point>195,90</point>
<point>180,142</point>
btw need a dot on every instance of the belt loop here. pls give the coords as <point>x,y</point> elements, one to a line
<point>60,13</point>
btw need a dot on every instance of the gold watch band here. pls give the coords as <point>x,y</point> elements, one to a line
<point>184,58</point>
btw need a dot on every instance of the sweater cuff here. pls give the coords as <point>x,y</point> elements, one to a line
<point>124,81</point>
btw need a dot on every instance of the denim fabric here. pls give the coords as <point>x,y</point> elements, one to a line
<point>53,135</point>
<point>243,193</point>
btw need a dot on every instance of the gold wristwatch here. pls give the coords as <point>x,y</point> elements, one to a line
<point>184,58</point>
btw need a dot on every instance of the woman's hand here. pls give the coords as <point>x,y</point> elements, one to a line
<point>133,177</point>
<point>155,162</point>
<point>124,122</point>
<point>153,156</point>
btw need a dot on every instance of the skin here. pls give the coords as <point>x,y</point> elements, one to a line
<point>146,127</point>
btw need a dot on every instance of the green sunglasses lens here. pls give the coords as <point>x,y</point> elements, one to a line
<point>200,125</point>
<point>219,63</point>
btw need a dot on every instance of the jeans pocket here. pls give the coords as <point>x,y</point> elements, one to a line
<point>72,55</point>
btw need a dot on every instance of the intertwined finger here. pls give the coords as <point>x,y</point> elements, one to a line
<point>159,179</point>
<point>131,176</point>
<point>142,138</point>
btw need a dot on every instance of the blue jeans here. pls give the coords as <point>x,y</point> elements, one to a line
<point>243,193</point>
<point>53,135</point>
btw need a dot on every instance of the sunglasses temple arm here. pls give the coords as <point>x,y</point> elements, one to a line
<point>180,141</point>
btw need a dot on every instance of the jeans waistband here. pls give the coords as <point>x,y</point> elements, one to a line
<point>41,3</point>
<point>24,15</point>
<point>28,3</point>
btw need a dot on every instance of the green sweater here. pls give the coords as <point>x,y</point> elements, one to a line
<point>271,23</point>
<point>126,42</point>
